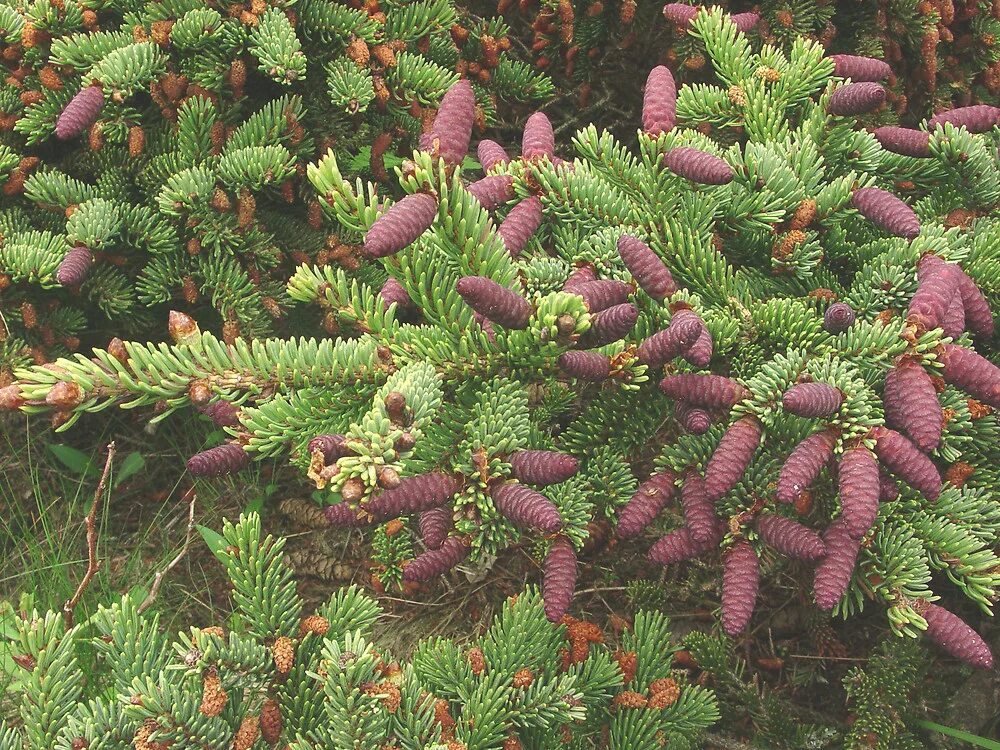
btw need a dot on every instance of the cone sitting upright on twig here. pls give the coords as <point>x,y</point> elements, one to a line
<point>859,68</point>
<point>804,464</point>
<point>860,488</point>
<point>435,525</point>
<point>693,419</point>
<point>435,562</point>
<point>905,460</point>
<point>699,513</point>
<point>494,302</point>
<point>904,141</point>
<point>971,372</point>
<point>740,581</point>
<point>526,507</point>
<point>812,400</point>
<point>491,154</point>
<point>542,467</point>
<point>645,504</point>
<point>790,537</point>
<point>218,461</point>
<point>452,127</point>
<point>671,342</point>
<point>732,456</point>
<point>833,574</point>
<point>518,226</point>
<point>952,634</point>
<point>912,406</point>
<point>400,225</point>
<point>538,140</point>
<point>80,113</point>
<point>74,266</point>
<point>887,211</point>
<point>838,318</point>
<point>659,102</point>
<point>649,272</point>
<point>698,166</point>
<point>856,99</point>
<point>709,391</point>
<point>610,325</point>
<point>559,578</point>
<point>977,118</point>
<point>591,366</point>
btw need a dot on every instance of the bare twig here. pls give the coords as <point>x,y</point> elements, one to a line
<point>93,564</point>
<point>154,590</point>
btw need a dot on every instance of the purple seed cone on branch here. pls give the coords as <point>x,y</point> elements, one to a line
<point>435,562</point>
<point>542,467</point>
<point>904,141</point>
<point>856,99</point>
<point>978,315</point>
<point>740,581</point>
<point>559,578</point>
<point>645,504</point>
<point>435,525</point>
<point>518,226</point>
<point>833,574</point>
<point>343,515</point>
<point>74,267</point>
<point>223,413</point>
<point>905,460</point>
<point>859,68</point>
<point>590,366</point>
<point>698,166</point>
<point>659,102</point>
<point>331,446</point>
<point>400,225</point>
<point>694,420</point>
<point>732,456</point>
<point>452,127</point>
<point>494,302</point>
<point>972,373</point>
<point>812,400</point>
<point>538,139</point>
<point>953,324</point>
<point>218,461</point>
<point>80,113</point>
<point>911,405</point>
<point>790,537</point>
<point>412,495</point>
<point>677,546</point>
<point>674,340</point>
<point>860,488</point>
<point>699,512</point>
<point>526,507</point>
<point>886,211</point>
<point>887,487</point>
<point>582,275</point>
<point>977,118</point>
<point>700,352</point>
<point>838,318</point>
<point>804,464</point>
<point>491,154</point>
<point>610,325</point>
<point>603,293</point>
<point>708,391</point>
<point>493,190</point>
<point>952,634</point>
<point>937,287</point>
<point>392,292</point>
<point>681,14</point>
<point>649,272</point>
<point>745,21</point>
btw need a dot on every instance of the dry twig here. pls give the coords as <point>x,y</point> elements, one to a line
<point>93,564</point>
<point>154,590</point>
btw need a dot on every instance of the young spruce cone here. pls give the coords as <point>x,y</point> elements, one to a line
<point>953,324</point>
<point>680,14</point>
<point>582,275</point>
<point>790,537</point>
<point>683,331</point>
<point>74,266</point>
<point>590,366</point>
<point>601,294</point>
<point>856,99</point>
<point>740,580</point>
<point>972,373</point>
<point>223,413</point>
<point>937,287</point>
<point>912,406</point>
<point>80,113</point>
<point>342,514</point>
<point>493,190</point>
<point>518,226</point>
<point>887,487</point>
<point>699,353</point>
<point>812,400</point>
<point>222,459</point>
<point>435,525</point>
<point>452,128</point>
<point>978,316</point>
<point>887,211</point>
<point>698,166</point>
<point>542,467</point>
<point>412,495</point>
<point>392,292</point>
<point>435,562</point>
<point>859,486</point>
<point>538,139</point>
<point>732,456</point>
<point>833,574</point>
<point>905,141</point>
<point>400,225</point>
<point>804,464</point>
<point>491,154</point>
<point>745,21</point>
<point>859,68</point>
<point>905,460</point>
<point>494,302</point>
<point>953,635</point>
<point>659,102</point>
<point>331,446</point>
<point>270,721</point>
<point>526,507</point>
<point>708,391</point>
<point>559,578</point>
<point>610,325</point>
<point>838,318</point>
<point>649,272</point>
<point>694,420</point>
<point>978,118</point>
<point>645,504</point>
<point>677,546</point>
<point>699,513</point>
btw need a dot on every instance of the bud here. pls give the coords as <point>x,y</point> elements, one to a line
<point>64,395</point>
<point>182,328</point>
<point>10,398</point>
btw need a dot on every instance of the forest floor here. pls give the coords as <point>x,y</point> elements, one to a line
<point>790,667</point>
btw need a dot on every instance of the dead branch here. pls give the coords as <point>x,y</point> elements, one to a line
<point>154,590</point>
<point>93,564</point>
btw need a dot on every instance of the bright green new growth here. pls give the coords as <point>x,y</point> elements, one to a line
<point>758,259</point>
<point>321,681</point>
